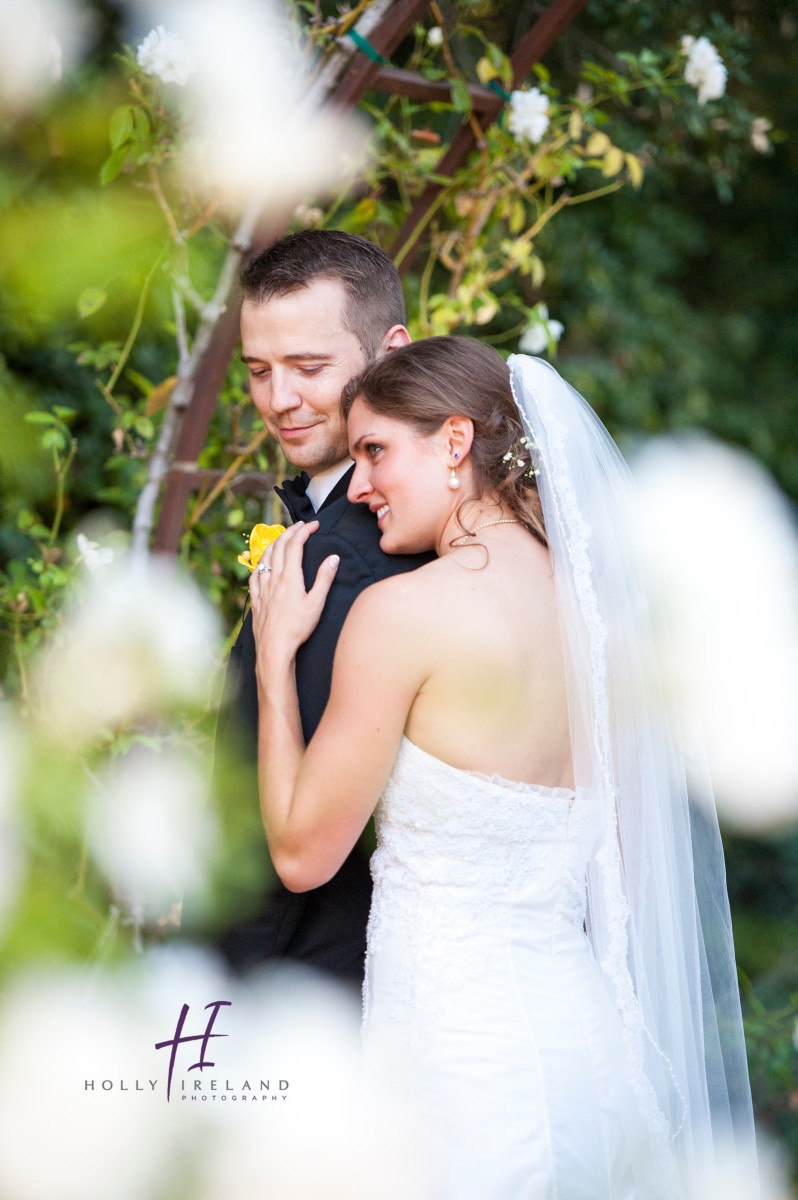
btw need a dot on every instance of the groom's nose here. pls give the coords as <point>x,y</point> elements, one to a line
<point>284,394</point>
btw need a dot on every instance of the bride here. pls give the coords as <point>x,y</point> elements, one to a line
<point>550,970</point>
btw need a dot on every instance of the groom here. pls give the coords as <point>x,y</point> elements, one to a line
<point>318,306</point>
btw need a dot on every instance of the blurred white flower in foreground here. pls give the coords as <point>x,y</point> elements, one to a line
<point>12,861</point>
<point>143,637</point>
<point>153,832</point>
<point>537,337</point>
<point>332,1136</point>
<point>58,1029</point>
<point>36,40</point>
<point>95,558</point>
<point>435,36</point>
<point>165,55</point>
<point>704,70</point>
<point>529,115</point>
<point>328,1138</point>
<point>722,542</point>
<point>258,128</point>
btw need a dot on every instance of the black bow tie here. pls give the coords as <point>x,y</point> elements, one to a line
<point>294,496</point>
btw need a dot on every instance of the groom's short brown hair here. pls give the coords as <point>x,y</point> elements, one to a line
<point>374,300</point>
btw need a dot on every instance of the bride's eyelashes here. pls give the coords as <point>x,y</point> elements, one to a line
<point>372,449</point>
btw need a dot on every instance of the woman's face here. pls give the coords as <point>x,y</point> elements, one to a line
<point>403,477</point>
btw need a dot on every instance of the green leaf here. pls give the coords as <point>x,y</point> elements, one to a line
<point>40,418</point>
<point>495,55</point>
<point>543,73</point>
<point>90,300</point>
<point>53,438</point>
<point>63,413</point>
<point>141,381</point>
<point>141,124</point>
<point>461,98</point>
<point>113,165</point>
<point>144,427</point>
<point>122,126</point>
<point>362,214</point>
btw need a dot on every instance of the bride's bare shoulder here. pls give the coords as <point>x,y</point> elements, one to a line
<point>404,601</point>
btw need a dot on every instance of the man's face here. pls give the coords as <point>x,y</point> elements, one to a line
<point>300,358</point>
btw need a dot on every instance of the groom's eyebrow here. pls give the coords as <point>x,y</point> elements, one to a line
<point>303,356</point>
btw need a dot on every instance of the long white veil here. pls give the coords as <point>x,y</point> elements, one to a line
<point>658,915</point>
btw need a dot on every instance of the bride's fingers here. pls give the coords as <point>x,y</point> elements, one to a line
<point>288,547</point>
<point>259,582</point>
<point>294,550</point>
<point>323,582</point>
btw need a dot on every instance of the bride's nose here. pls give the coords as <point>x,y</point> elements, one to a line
<point>359,488</point>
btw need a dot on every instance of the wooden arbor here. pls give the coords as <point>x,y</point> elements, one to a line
<point>384,24</point>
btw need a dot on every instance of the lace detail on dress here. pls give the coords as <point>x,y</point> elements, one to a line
<point>454,849</point>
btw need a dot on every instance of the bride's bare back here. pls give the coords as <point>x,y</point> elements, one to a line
<point>488,646</point>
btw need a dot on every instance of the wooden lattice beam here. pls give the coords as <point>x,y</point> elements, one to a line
<point>411,83</point>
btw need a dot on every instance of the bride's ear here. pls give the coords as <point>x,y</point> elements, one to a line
<point>458,435</point>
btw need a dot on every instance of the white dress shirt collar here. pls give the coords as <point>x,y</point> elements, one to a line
<point>322,484</point>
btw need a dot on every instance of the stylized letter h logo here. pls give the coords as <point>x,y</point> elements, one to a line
<point>193,1037</point>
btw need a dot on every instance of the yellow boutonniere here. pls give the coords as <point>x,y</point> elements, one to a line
<point>261,537</point>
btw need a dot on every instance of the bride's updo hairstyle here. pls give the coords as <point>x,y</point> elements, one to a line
<point>427,382</point>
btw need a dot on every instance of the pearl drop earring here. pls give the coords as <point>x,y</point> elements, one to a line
<point>454,482</point>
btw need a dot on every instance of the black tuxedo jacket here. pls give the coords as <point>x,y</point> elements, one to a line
<point>326,926</point>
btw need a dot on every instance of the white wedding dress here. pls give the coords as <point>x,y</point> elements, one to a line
<point>550,976</point>
<point>482,999</point>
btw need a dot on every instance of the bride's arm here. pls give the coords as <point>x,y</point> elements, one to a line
<point>315,802</point>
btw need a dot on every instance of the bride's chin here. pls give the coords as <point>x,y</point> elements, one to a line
<point>392,542</point>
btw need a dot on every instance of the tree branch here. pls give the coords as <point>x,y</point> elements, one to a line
<point>187,370</point>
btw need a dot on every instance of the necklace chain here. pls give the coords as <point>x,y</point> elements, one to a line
<point>485,525</point>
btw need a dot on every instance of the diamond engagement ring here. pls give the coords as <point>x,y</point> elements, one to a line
<point>260,570</point>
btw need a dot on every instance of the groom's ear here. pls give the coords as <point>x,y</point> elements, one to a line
<point>396,336</point>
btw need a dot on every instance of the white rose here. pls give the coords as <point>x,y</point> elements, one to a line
<point>529,115</point>
<point>95,558</point>
<point>537,336</point>
<point>165,55</point>
<point>704,70</point>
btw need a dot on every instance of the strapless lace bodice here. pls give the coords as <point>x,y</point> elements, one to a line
<point>482,997</point>
<point>457,850</point>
